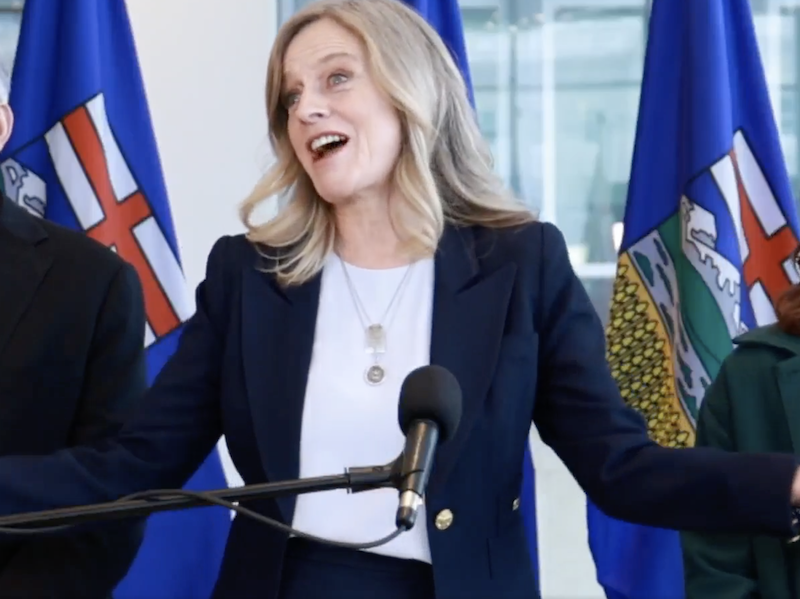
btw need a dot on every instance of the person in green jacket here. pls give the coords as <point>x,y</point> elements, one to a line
<point>753,405</point>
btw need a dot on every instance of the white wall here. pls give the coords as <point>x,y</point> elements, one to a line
<point>204,68</point>
<point>204,64</point>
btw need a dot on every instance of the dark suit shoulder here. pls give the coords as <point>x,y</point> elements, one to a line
<point>81,250</point>
<point>77,264</point>
<point>522,244</point>
<point>238,248</point>
<point>229,254</point>
<point>538,249</point>
<point>515,240</point>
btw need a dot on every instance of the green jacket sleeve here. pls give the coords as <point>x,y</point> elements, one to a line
<point>718,566</point>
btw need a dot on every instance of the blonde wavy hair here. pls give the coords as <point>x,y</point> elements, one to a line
<point>444,172</point>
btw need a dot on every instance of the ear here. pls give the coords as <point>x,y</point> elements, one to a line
<point>6,124</point>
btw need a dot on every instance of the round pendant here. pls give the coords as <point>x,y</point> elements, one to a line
<point>375,374</point>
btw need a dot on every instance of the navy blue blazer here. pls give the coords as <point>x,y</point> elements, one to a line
<point>511,321</point>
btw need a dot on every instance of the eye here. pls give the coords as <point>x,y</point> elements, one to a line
<point>338,78</point>
<point>290,99</point>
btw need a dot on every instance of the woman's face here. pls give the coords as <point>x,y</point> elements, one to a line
<point>342,127</point>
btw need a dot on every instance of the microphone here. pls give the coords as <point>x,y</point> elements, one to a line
<point>429,413</point>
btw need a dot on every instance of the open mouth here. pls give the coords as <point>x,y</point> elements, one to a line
<point>327,145</point>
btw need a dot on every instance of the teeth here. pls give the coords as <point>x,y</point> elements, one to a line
<point>325,140</point>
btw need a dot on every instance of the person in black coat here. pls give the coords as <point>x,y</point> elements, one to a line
<point>72,364</point>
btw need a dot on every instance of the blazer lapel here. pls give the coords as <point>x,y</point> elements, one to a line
<point>789,385</point>
<point>278,336</point>
<point>23,265</point>
<point>468,314</point>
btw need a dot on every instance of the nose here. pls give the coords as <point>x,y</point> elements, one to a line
<point>312,106</point>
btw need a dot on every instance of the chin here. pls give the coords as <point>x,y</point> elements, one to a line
<point>336,196</point>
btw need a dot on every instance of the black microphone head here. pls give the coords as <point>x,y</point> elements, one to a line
<point>431,393</point>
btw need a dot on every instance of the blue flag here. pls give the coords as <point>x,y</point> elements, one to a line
<point>709,229</point>
<point>83,154</point>
<point>445,17</point>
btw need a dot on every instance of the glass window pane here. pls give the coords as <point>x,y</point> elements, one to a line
<point>600,290</point>
<point>598,59</point>
<point>778,33</point>
<point>9,36</point>
<point>557,93</point>
<point>10,18</point>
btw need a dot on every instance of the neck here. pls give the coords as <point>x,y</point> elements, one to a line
<point>366,237</point>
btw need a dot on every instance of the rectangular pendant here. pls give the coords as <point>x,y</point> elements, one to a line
<point>376,339</point>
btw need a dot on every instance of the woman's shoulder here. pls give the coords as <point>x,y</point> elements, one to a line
<point>524,243</point>
<point>759,350</point>
<point>770,338</point>
<point>230,252</point>
<point>227,259</point>
<point>745,396</point>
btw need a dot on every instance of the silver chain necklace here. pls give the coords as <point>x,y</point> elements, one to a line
<point>374,332</point>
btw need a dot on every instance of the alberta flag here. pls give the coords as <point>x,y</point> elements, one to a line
<point>83,154</point>
<point>710,226</point>
<point>445,17</point>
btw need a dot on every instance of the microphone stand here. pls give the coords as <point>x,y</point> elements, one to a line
<point>356,480</point>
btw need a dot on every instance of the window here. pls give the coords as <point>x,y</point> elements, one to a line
<point>557,91</point>
<point>10,17</point>
<point>779,40</point>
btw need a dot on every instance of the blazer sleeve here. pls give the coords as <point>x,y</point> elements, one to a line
<point>718,566</point>
<point>174,428</point>
<point>580,413</point>
<point>90,564</point>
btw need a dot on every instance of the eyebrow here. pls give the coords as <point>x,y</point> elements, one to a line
<point>330,58</point>
<point>335,56</point>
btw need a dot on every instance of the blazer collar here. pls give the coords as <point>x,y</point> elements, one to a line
<point>787,372</point>
<point>456,265</point>
<point>20,223</point>
<point>469,308</point>
<point>23,264</point>
<point>471,298</point>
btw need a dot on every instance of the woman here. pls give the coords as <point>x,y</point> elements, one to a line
<point>752,406</point>
<point>398,248</point>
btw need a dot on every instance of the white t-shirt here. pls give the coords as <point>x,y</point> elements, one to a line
<point>346,421</point>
